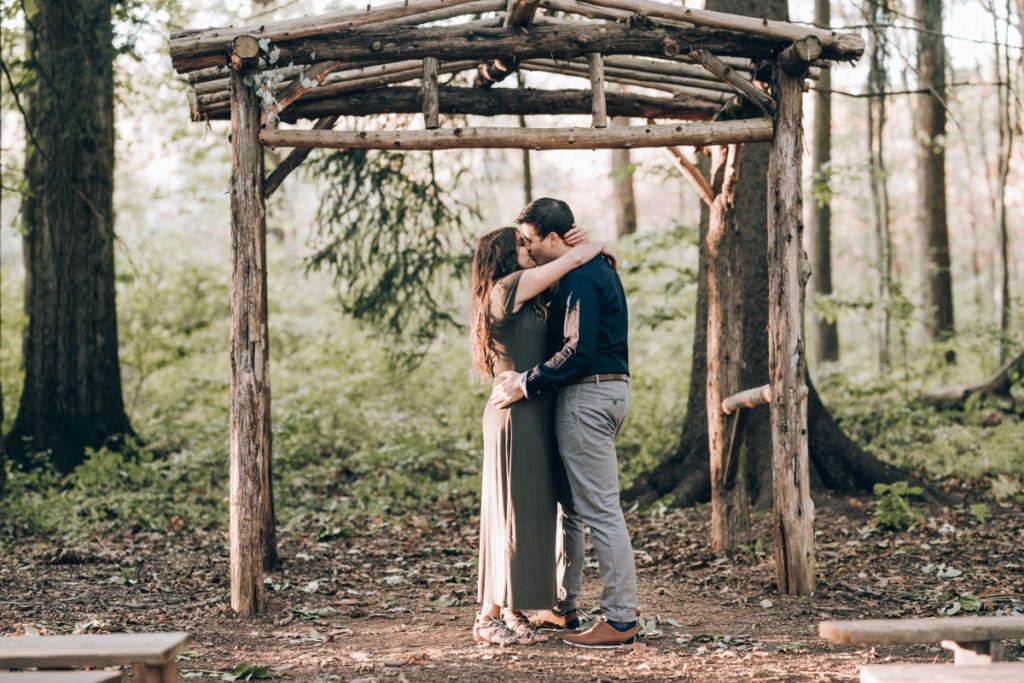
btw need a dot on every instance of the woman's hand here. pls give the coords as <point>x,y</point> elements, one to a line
<point>576,236</point>
<point>612,259</point>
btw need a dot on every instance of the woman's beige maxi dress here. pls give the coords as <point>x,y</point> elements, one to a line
<point>518,506</point>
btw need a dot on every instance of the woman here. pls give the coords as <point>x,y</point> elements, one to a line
<point>518,513</point>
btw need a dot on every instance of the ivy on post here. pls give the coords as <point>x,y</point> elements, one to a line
<point>250,502</point>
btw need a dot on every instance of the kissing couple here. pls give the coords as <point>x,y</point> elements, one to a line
<point>548,322</point>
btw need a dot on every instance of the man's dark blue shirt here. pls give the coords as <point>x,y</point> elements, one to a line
<point>587,329</point>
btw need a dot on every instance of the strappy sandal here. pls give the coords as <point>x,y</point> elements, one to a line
<point>493,630</point>
<point>517,623</point>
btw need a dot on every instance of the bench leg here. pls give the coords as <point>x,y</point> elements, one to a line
<point>155,673</point>
<point>975,654</point>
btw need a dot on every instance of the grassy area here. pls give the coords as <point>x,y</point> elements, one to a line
<point>354,436</point>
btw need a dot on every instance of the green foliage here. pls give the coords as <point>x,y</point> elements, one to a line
<point>246,672</point>
<point>397,242</point>
<point>981,512</point>
<point>894,510</point>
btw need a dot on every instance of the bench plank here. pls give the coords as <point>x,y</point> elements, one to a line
<point>942,673</point>
<point>60,677</point>
<point>103,649</point>
<point>911,631</point>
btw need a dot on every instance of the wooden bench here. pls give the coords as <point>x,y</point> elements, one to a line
<point>973,640</point>
<point>60,677</point>
<point>1005,672</point>
<point>152,656</point>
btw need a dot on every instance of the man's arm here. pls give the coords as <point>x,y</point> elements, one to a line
<point>579,333</point>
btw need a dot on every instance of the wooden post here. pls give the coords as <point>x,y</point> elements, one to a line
<point>730,508</point>
<point>793,520</point>
<point>250,381</point>
<point>431,102</point>
<point>598,105</point>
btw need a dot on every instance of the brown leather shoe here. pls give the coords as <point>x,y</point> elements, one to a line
<point>602,635</point>
<point>551,619</point>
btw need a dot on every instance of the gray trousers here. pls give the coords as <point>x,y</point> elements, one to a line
<point>587,419</point>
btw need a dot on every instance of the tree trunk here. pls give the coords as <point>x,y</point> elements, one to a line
<point>730,502</point>
<point>622,182</point>
<point>878,191</point>
<point>1001,290</point>
<point>250,501</point>
<point>622,179</point>
<point>527,165</point>
<point>930,125</point>
<point>793,513</point>
<point>826,334</point>
<point>72,397</point>
<point>836,462</point>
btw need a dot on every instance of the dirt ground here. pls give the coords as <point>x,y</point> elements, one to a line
<point>393,600</point>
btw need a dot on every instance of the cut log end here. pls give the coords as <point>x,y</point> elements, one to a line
<point>796,59</point>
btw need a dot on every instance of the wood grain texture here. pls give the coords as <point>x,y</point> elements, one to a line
<point>429,93</point>
<point>250,363</point>
<point>382,44</point>
<point>942,673</point>
<point>724,132</point>
<point>598,105</point>
<point>60,677</point>
<point>910,631</point>
<point>751,398</point>
<point>106,649</point>
<point>730,507</point>
<point>793,511</point>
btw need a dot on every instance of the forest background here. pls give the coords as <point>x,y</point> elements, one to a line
<point>374,409</point>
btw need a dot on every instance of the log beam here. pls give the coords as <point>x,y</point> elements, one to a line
<point>741,85</point>
<point>599,109</point>
<point>692,174</point>
<point>493,102</point>
<point>841,42</point>
<point>215,43</point>
<point>250,379</point>
<point>750,398</point>
<point>718,132</point>
<point>520,12</point>
<point>293,160</point>
<point>793,513</point>
<point>431,117</point>
<point>381,44</point>
<point>796,58</point>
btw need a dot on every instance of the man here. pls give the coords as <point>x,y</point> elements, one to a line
<point>589,369</point>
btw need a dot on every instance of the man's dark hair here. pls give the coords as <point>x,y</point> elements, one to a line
<point>548,215</point>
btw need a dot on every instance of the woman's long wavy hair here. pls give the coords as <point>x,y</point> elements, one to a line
<point>495,257</point>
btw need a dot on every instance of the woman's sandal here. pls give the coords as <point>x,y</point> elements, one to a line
<point>517,623</point>
<point>493,630</point>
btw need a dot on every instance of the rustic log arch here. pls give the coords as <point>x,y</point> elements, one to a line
<point>351,64</point>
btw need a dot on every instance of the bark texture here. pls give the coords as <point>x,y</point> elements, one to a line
<point>930,120</point>
<point>826,333</point>
<point>72,395</point>
<point>730,516</point>
<point>793,513</point>
<point>836,462</point>
<point>250,497</point>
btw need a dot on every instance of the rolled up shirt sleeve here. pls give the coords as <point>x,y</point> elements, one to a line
<point>579,339</point>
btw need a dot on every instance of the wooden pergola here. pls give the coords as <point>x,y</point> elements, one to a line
<point>706,79</point>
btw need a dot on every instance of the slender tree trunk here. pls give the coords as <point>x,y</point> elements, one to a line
<point>250,499</point>
<point>826,334</point>
<point>836,462</point>
<point>72,396</point>
<point>878,192</point>
<point>622,181</point>
<point>1001,291</point>
<point>793,513</point>
<point>527,166</point>
<point>730,516</point>
<point>930,128</point>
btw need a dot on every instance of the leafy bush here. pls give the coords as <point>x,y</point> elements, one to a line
<point>894,511</point>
